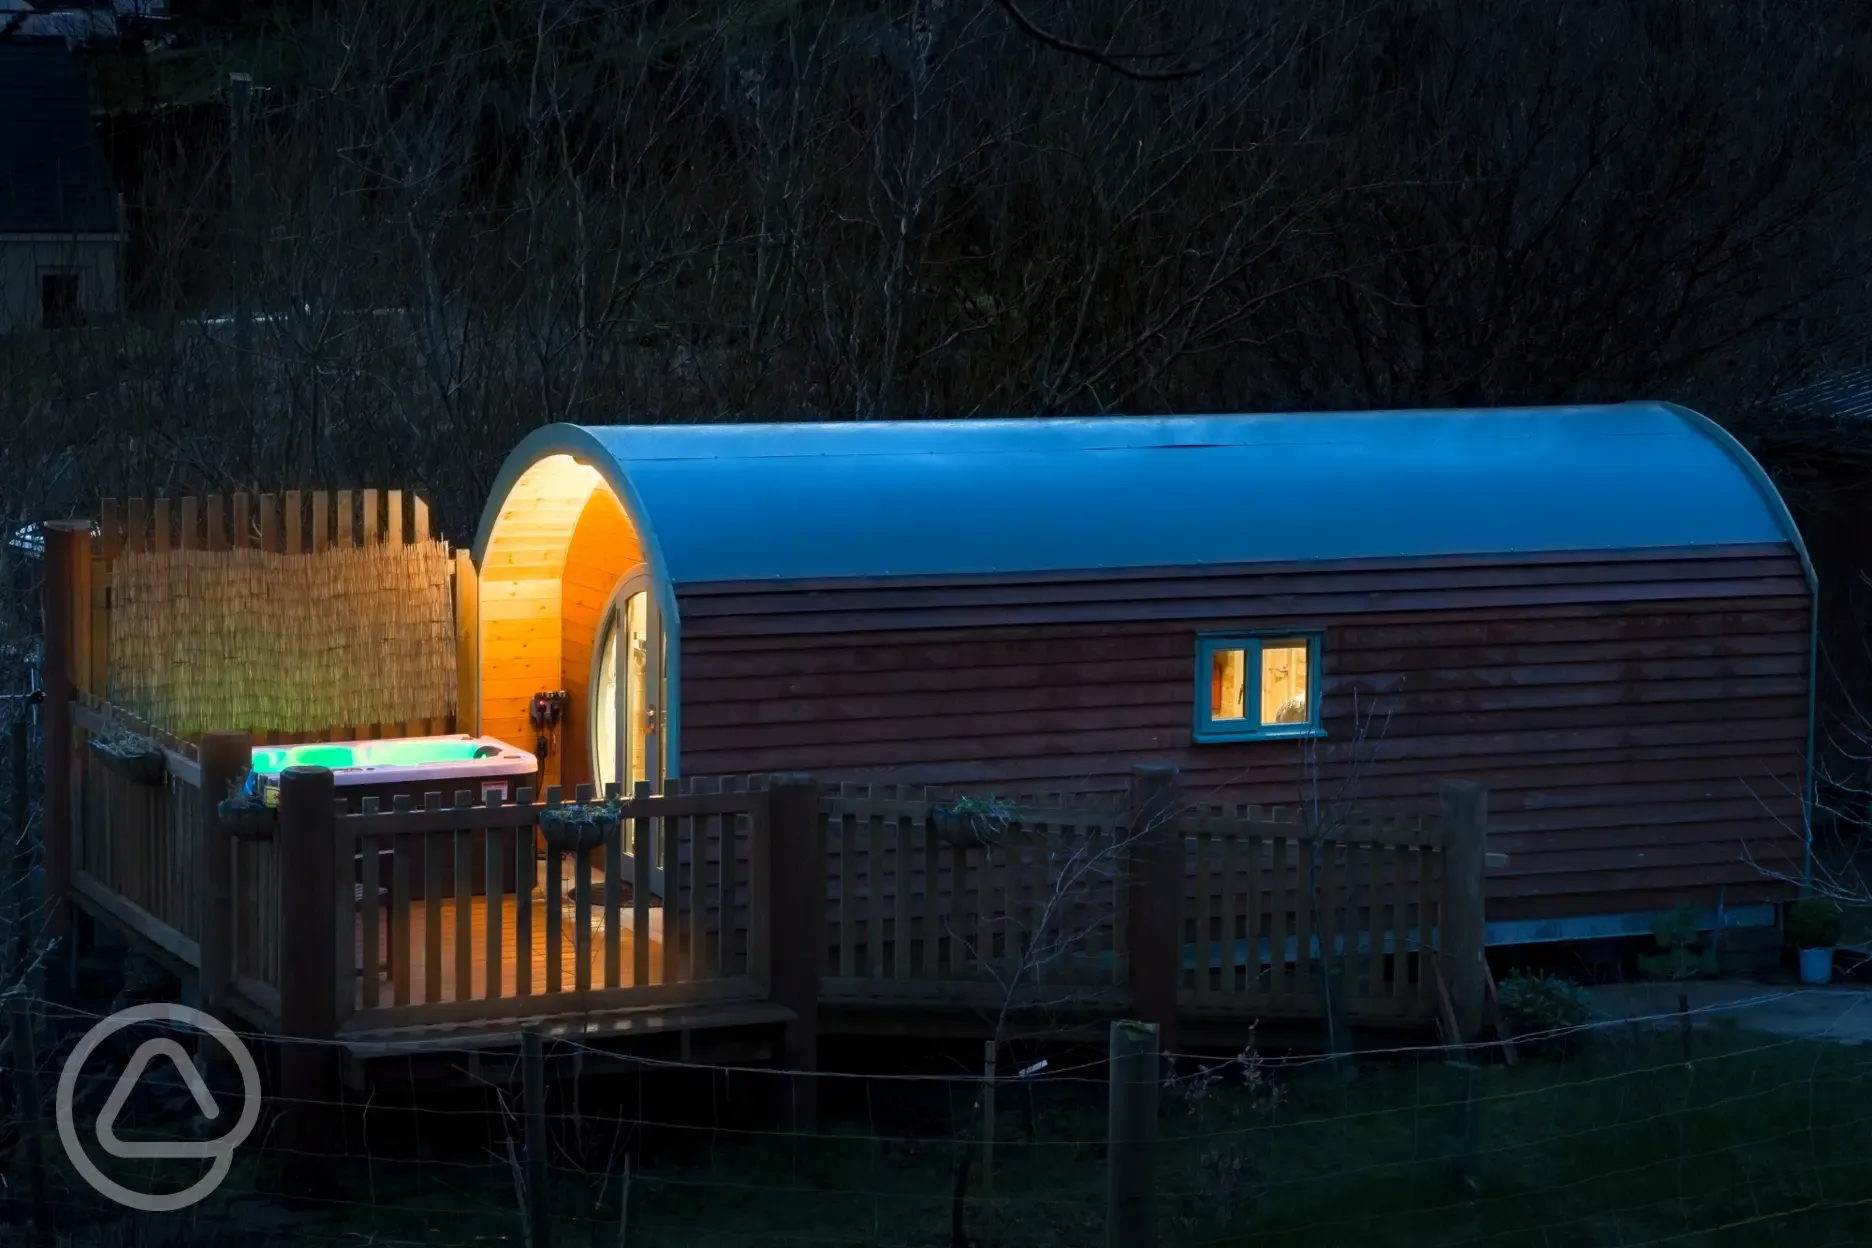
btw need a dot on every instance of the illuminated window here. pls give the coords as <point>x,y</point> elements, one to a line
<point>1256,686</point>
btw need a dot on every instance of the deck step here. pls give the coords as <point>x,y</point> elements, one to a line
<point>589,1025</point>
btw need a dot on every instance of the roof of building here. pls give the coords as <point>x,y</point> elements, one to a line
<point>54,178</point>
<point>1843,398</point>
<point>750,502</point>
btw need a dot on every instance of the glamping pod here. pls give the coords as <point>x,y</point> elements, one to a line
<point>1604,614</point>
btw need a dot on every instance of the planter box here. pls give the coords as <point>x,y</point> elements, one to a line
<point>568,832</point>
<point>247,820</point>
<point>1816,966</point>
<point>969,829</point>
<point>144,767</point>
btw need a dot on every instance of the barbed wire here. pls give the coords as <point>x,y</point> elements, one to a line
<point>1626,1143</point>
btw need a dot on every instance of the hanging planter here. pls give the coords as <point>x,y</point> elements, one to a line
<point>576,829</point>
<point>251,811</point>
<point>132,756</point>
<point>971,822</point>
<point>248,818</point>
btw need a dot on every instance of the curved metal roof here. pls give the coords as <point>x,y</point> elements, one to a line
<point>749,502</point>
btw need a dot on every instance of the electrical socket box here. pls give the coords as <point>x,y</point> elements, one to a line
<point>547,710</point>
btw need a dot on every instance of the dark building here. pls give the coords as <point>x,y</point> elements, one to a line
<point>61,226</point>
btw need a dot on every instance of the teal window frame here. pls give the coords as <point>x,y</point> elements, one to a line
<point>1209,729</point>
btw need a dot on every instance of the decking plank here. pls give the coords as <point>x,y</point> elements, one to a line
<point>450,958</point>
<point>584,1025</point>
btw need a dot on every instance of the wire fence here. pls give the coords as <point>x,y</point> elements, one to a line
<point>1613,1139</point>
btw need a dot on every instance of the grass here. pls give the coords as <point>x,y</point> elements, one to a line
<point>1756,1142</point>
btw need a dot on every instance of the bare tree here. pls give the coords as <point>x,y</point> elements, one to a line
<point>1591,202</point>
<point>460,221</point>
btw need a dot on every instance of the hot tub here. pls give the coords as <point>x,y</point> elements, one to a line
<point>407,764</point>
<point>411,767</point>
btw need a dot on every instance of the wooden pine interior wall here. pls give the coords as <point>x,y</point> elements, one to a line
<point>527,644</point>
<point>604,548</point>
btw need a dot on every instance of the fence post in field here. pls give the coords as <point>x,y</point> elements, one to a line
<point>1155,896</point>
<point>67,545</point>
<point>18,866</point>
<point>225,757</point>
<point>1461,932</point>
<point>533,1113</point>
<point>1131,1137</point>
<point>308,966</point>
<point>27,1106</point>
<point>797,904</point>
<point>988,1117</point>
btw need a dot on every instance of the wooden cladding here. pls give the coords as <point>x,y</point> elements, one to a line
<point>1254,598</point>
<point>1640,720</point>
<point>530,583</point>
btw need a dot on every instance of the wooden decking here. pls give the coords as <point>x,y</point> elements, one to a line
<point>451,956</point>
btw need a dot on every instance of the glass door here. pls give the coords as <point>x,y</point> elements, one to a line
<point>623,706</point>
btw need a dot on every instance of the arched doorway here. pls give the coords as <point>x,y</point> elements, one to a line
<point>625,686</point>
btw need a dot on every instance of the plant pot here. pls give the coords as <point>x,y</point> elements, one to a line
<point>569,831</point>
<point>143,767</point>
<point>248,820</point>
<point>1816,966</point>
<point>965,828</point>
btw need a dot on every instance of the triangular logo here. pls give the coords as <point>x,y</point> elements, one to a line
<point>146,1053</point>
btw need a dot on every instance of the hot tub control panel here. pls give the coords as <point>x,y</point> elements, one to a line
<point>547,710</point>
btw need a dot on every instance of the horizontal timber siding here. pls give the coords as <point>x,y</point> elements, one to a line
<point>1640,719</point>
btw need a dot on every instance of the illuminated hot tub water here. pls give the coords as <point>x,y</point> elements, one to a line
<point>399,760</point>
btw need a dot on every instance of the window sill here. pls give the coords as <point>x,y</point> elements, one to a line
<point>1224,736</point>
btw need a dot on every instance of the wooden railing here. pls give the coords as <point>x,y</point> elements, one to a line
<point>1268,894</point>
<point>1038,914</point>
<point>1269,909</point>
<point>136,847</point>
<point>368,920</point>
<point>147,854</point>
<point>448,914</point>
<point>254,923</point>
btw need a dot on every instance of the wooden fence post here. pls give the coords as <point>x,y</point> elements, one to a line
<point>1131,1137</point>
<point>1155,897</point>
<point>27,1112</point>
<point>18,865</point>
<point>224,757</point>
<point>533,1111</point>
<point>1461,932</point>
<point>797,904</point>
<point>988,1117</point>
<point>467,644</point>
<point>67,543</point>
<point>308,967</point>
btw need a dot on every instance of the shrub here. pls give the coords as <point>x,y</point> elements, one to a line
<point>1814,923</point>
<point>1547,1007</point>
<point>1682,952</point>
